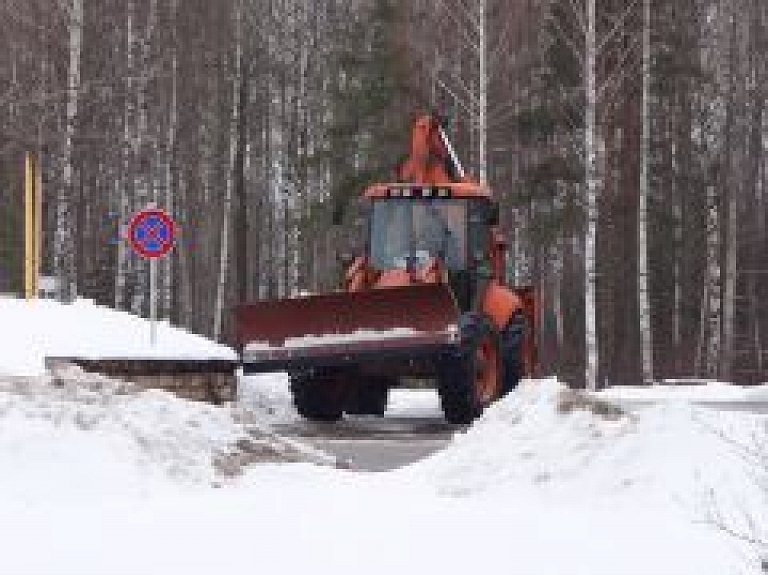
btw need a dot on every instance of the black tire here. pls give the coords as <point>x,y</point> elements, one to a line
<point>317,395</point>
<point>461,400</point>
<point>370,398</point>
<point>512,337</point>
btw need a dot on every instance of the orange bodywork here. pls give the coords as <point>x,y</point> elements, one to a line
<point>430,164</point>
<point>499,303</point>
<point>430,161</point>
<point>414,297</point>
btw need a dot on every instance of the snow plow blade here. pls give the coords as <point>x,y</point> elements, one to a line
<point>400,328</point>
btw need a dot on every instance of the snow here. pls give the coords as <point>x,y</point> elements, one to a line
<point>530,488</point>
<point>98,477</point>
<point>335,338</point>
<point>268,395</point>
<point>413,403</point>
<point>36,329</point>
<point>699,391</point>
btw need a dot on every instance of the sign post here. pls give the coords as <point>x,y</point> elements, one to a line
<point>152,233</point>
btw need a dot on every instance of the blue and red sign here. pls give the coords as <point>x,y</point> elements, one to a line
<point>152,233</point>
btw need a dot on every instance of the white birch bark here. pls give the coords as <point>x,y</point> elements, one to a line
<point>738,138</point>
<point>123,260</point>
<point>713,288</point>
<point>593,185</point>
<point>170,163</point>
<point>557,294</point>
<point>64,250</point>
<point>143,181</point>
<point>225,227</point>
<point>482,113</point>
<point>644,304</point>
<point>678,234</point>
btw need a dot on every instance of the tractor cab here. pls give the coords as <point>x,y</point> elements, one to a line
<point>412,226</point>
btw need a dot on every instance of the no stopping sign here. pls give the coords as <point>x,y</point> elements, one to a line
<point>152,233</point>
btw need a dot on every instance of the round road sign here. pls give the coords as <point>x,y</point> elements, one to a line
<point>151,233</point>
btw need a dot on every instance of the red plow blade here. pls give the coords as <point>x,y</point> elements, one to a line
<point>347,327</point>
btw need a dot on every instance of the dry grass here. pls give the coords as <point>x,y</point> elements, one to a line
<point>571,400</point>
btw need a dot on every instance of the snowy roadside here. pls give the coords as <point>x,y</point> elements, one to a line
<point>697,391</point>
<point>548,481</point>
<point>129,435</point>
<point>97,477</point>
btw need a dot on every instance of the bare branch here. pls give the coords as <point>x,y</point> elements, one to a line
<point>617,25</point>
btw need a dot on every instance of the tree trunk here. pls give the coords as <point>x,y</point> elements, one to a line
<point>233,149</point>
<point>170,164</point>
<point>482,116</point>
<point>644,303</point>
<point>713,288</point>
<point>593,186</point>
<point>65,232</point>
<point>124,188</point>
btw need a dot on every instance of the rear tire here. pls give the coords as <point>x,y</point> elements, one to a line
<point>369,398</point>
<point>470,380</point>
<point>316,395</point>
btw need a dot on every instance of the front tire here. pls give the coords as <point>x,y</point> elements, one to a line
<point>512,338</point>
<point>470,380</point>
<point>317,395</point>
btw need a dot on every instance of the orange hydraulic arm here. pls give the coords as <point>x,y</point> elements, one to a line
<point>432,159</point>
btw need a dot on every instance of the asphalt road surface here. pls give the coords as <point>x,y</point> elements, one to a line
<point>401,438</point>
<point>759,407</point>
<point>375,443</point>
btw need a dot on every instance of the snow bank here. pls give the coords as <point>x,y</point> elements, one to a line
<point>33,330</point>
<point>556,446</point>
<point>269,396</point>
<point>63,436</point>
<point>104,480</point>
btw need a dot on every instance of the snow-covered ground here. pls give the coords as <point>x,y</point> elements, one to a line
<point>698,391</point>
<point>97,478</point>
<point>33,330</point>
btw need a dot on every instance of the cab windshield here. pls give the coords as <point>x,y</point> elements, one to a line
<point>416,230</point>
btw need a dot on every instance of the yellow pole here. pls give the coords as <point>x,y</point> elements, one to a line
<point>38,216</point>
<point>29,228</point>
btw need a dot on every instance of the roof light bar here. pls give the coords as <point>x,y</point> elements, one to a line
<point>419,192</point>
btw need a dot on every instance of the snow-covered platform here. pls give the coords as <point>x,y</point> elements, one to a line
<point>44,334</point>
<point>210,380</point>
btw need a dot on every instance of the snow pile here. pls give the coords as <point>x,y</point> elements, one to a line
<point>61,435</point>
<point>545,442</point>
<point>269,396</point>
<point>33,330</point>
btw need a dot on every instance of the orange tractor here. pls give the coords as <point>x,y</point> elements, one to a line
<point>426,298</point>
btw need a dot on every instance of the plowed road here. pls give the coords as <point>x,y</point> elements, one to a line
<point>374,443</point>
<point>407,434</point>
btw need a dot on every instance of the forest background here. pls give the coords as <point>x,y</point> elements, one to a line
<point>625,139</point>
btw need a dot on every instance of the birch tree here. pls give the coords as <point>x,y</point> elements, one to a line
<point>233,146</point>
<point>65,215</point>
<point>593,187</point>
<point>644,304</point>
